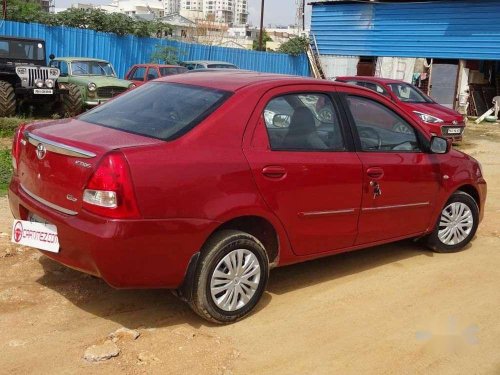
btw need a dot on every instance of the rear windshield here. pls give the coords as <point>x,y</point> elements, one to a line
<point>168,71</point>
<point>159,110</point>
<point>221,66</point>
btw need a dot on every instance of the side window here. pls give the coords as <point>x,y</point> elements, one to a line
<point>379,128</point>
<point>152,74</point>
<point>138,74</point>
<point>303,122</point>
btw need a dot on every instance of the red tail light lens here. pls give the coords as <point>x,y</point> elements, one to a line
<point>110,192</point>
<point>16,146</point>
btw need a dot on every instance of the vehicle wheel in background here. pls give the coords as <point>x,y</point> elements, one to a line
<point>457,224</point>
<point>231,277</point>
<point>72,104</point>
<point>7,100</point>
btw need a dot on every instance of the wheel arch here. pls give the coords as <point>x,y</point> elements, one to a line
<point>472,191</point>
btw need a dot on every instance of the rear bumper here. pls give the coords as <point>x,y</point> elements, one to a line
<point>125,253</point>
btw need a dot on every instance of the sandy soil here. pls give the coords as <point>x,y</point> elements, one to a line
<point>390,309</point>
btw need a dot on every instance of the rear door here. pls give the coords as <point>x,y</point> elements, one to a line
<point>303,162</point>
<point>400,181</point>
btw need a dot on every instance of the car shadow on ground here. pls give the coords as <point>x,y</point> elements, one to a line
<point>159,308</point>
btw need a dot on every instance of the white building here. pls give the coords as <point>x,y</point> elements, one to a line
<point>232,12</point>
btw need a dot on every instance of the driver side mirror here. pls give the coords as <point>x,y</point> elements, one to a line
<point>281,121</point>
<point>440,145</point>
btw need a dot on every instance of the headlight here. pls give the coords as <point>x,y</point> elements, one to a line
<point>92,86</point>
<point>21,71</point>
<point>428,118</point>
<point>39,83</point>
<point>49,83</point>
<point>132,85</point>
<point>54,72</point>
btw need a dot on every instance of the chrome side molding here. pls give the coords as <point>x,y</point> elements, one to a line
<point>58,148</point>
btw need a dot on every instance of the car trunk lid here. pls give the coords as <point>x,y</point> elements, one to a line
<point>57,159</point>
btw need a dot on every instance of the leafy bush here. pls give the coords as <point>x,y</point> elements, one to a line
<point>295,46</point>
<point>94,19</point>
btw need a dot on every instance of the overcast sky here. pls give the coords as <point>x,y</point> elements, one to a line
<point>277,12</point>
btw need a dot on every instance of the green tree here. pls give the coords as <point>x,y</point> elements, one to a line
<point>94,19</point>
<point>295,46</point>
<point>165,55</point>
<point>265,38</point>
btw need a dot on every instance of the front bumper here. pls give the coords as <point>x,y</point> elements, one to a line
<point>95,102</point>
<point>125,253</point>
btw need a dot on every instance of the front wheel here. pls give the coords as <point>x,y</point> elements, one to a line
<point>72,103</point>
<point>230,278</point>
<point>457,224</point>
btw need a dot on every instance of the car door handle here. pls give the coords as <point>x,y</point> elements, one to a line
<point>274,171</point>
<point>375,173</point>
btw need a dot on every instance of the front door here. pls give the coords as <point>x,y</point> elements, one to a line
<point>400,181</point>
<point>305,168</point>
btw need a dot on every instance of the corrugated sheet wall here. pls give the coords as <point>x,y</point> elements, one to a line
<point>124,51</point>
<point>440,29</point>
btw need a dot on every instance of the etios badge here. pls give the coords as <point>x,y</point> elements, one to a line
<point>41,151</point>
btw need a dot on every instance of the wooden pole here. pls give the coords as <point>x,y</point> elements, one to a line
<point>261,36</point>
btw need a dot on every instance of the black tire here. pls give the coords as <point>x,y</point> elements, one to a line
<point>436,244</point>
<point>216,248</point>
<point>7,100</point>
<point>72,104</point>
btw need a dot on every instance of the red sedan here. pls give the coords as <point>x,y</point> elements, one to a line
<point>204,182</point>
<point>437,119</point>
<point>142,73</point>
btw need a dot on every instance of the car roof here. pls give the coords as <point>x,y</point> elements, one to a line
<point>233,80</point>
<point>70,59</point>
<point>159,65</point>
<point>7,37</point>
<point>207,62</point>
<point>369,79</point>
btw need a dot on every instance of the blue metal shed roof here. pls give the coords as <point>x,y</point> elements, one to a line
<point>439,29</point>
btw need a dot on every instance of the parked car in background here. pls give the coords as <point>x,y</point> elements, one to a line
<point>96,78</point>
<point>439,120</point>
<point>203,182</point>
<point>205,64</point>
<point>141,73</point>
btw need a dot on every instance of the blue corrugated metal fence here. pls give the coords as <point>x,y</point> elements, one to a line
<point>124,51</point>
<point>440,29</point>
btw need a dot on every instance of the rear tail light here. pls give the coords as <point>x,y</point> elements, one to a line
<point>109,191</point>
<point>16,146</point>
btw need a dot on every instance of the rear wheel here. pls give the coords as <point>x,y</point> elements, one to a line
<point>72,103</point>
<point>230,278</point>
<point>457,224</point>
<point>7,100</point>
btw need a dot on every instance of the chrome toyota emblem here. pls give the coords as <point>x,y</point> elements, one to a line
<point>41,151</point>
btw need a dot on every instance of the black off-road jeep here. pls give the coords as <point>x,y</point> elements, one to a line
<point>25,79</point>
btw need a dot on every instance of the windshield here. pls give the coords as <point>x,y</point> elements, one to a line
<point>94,68</point>
<point>22,50</point>
<point>168,71</point>
<point>158,110</point>
<point>408,93</point>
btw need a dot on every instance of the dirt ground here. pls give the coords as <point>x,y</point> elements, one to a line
<point>394,309</point>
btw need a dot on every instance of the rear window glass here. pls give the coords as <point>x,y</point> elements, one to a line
<point>221,66</point>
<point>165,71</point>
<point>158,110</point>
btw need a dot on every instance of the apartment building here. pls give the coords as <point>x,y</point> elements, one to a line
<point>231,12</point>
